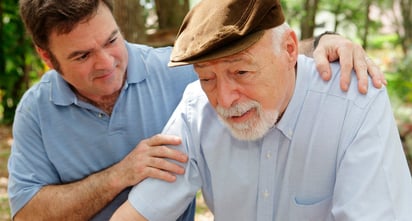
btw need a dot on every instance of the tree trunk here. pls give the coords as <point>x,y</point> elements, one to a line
<point>170,14</point>
<point>367,23</point>
<point>406,10</point>
<point>129,15</point>
<point>131,18</point>
<point>336,12</point>
<point>308,23</point>
<point>2,57</point>
<point>2,63</point>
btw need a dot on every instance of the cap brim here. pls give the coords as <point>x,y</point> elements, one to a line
<point>230,49</point>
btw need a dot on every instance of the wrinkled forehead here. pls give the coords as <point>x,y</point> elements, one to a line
<point>247,56</point>
<point>244,57</point>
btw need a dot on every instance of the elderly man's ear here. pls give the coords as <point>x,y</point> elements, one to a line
<point>291,43</point>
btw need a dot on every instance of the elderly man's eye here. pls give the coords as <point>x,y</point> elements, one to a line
<point>113,40</point>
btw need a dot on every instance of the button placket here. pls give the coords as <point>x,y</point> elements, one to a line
<point>266,175</point>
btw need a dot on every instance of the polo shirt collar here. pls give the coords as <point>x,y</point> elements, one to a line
<point>60,91</point>
<point>136,68</point>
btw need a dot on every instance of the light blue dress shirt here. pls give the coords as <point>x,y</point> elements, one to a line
<point>60,139</point>
<point>332,156</point>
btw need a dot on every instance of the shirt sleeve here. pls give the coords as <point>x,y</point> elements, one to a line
<point>372,180</point>
<point>29,167</point>
<point>159,200</point>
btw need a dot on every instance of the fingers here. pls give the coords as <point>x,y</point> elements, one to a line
<point>158,148</point>
<point>162,139</point>
<point>378,77</point>
<point>332,48</point>
<point>152,157</point>
<point>351,57</point>
<point>361,68</point>
<point>364,67</point>
<point>167,174</point>
<point>325,53</point>
<point>159,161</point>
<point>346,64</point>
<point>322,64</point>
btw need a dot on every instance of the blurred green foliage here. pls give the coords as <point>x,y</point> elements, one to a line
<point>383,41</point>
<point>19,64</point>
<point>400,80</point>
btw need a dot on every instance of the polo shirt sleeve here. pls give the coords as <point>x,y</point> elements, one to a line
<point>160,200</point>
<point>29,167</point>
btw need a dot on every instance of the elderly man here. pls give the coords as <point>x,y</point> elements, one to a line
<point>267,138</point>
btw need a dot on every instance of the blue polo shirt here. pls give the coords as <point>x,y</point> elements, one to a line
<point>60,139</point>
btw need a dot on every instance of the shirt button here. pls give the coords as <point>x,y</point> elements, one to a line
<point>266,194</point>
<point>268,155</point>
<point>101,115</point>
<point>290,133</point>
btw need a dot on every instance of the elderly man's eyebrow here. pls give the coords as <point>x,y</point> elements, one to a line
<point>81,52</point>
<point>225,60</point>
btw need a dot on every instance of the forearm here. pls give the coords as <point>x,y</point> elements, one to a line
<point>306,47</point>
<point>79,200</point>
<point>127,212</point>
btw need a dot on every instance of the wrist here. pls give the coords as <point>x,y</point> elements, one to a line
<point>113,179</point>
<point>317,38</point>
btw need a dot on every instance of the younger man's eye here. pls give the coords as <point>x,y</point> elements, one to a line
<point>83,57</point>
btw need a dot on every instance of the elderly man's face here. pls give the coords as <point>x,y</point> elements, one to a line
<point>250,89</point>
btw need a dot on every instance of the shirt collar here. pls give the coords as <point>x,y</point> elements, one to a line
<point>60,91</point>
<point>136,67</point>
<point>288,121</point>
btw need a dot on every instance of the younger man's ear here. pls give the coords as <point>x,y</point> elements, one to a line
<point>45,56</point>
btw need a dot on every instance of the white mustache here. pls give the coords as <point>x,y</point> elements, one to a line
<point>237,109</point>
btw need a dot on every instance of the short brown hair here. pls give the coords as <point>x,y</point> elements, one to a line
<point>42,17</point>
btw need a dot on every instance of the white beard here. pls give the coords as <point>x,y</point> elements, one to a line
<point>252,129</point>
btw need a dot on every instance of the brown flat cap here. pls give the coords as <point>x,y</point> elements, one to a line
<point>219,28</point>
